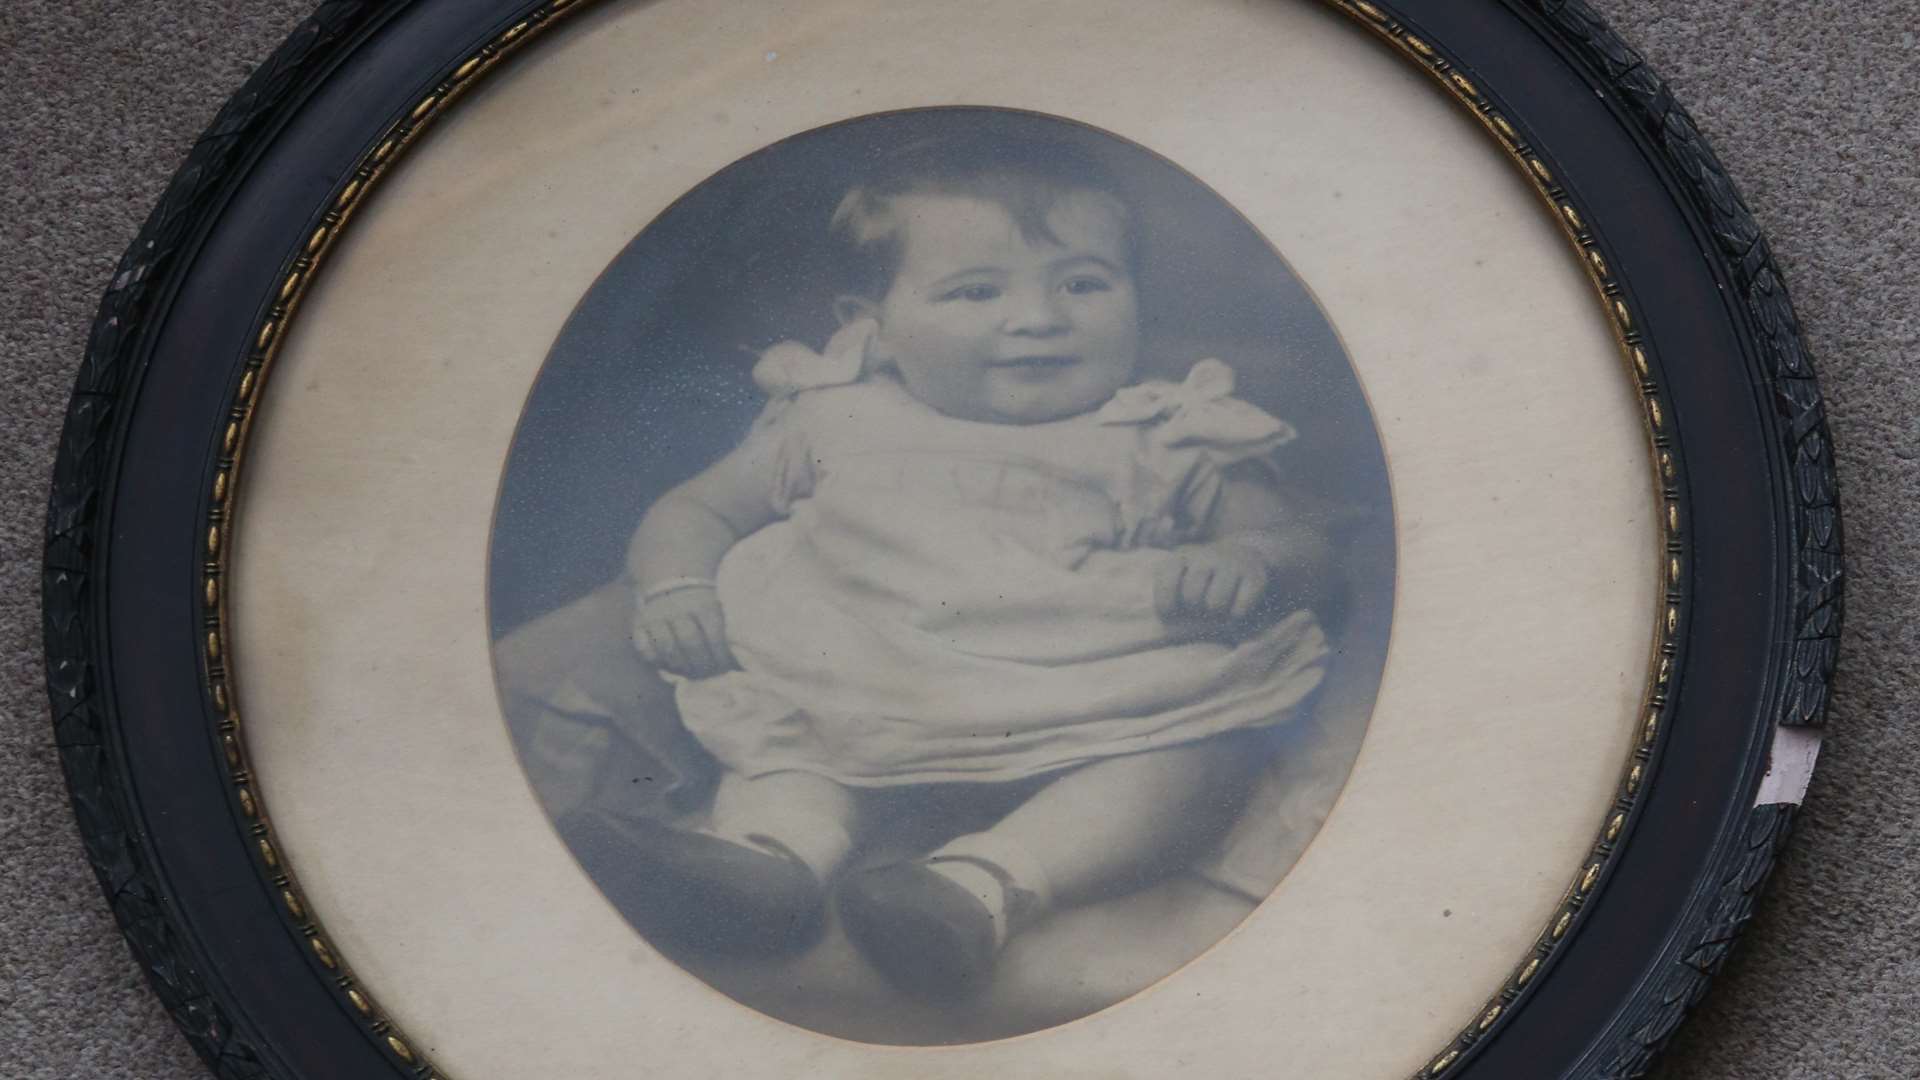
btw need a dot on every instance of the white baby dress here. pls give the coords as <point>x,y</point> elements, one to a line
<point>949,600</point>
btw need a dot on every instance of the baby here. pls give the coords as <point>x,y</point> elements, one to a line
<point>964,545</point>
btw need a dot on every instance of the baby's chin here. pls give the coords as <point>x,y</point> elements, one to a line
<point>1031,412</point>
<point>1022,397</point>
<point>1040,416</point>
<point>1044,403</point>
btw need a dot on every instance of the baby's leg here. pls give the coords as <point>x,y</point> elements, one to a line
<point>795,813</point>
<point>1101,830</point>
<point>1117,824</point>
<point>934,927</point>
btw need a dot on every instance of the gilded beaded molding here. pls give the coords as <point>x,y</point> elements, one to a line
<point>266,344</point>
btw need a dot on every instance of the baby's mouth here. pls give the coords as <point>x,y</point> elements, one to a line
<point>1036,364</point>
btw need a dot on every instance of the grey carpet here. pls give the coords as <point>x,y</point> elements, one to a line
<point>1816,108</point>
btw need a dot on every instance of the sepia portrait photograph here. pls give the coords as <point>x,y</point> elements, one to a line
<point>942,575</point>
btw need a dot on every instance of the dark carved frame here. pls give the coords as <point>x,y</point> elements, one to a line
<point>320,1021</point>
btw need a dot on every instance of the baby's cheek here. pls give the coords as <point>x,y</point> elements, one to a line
<point>963,389</point>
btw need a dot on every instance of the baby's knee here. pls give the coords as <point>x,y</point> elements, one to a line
<point>1213,765</point>
<point>785,802</point>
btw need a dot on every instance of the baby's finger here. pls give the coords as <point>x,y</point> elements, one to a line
<point>714,628</point>
<point>712,645</point>
<point>1166,586</point>
<point>708,646</point>
<point>1251,589</point>
<point>644,645</point>
<point>666,653</point>
<point>1194,585</point>
<point>1220,594</point>
<point>693,646</point>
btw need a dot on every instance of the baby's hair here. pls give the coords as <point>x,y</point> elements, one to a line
<point>1028,176</point>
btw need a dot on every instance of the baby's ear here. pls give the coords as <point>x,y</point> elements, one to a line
<point>848,307</point>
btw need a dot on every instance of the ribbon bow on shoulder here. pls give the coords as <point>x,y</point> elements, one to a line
<point>790,367</point>
<point>1199,410</point>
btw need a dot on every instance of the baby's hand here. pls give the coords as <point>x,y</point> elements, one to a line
<point>683,632</point>
<point>1207,581</point>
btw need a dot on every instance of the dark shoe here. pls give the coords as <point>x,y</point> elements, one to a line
<point>924,932</point>
<point>698,892</point>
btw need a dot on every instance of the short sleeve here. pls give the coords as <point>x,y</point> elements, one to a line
<point>1201,484</point>
<point>1218,459</point>
<point>780,437</point>
<point>1192,435</point>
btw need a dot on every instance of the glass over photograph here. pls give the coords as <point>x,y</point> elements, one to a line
<point>942,575</point>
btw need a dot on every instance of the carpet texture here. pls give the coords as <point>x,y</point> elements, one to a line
<point>1816,109</point>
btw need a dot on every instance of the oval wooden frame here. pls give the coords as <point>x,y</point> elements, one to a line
<point>1745,645</point>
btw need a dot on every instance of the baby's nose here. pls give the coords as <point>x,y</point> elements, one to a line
<point>1035,312</point>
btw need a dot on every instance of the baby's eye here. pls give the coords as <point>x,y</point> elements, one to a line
<point>977,293</point>
<point>1081,286</point>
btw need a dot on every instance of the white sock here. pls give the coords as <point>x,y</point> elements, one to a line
<point>984,885</point>
<point>1006,877</point>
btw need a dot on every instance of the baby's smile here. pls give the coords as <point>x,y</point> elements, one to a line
<point>1038,367</point>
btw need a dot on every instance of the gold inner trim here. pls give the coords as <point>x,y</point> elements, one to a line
<point>266,344</point>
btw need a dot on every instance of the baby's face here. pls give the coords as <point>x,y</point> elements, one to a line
<point>983,324</point>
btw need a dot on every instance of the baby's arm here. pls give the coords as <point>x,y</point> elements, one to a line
<point>1255,551</point>
<point>675,553</point>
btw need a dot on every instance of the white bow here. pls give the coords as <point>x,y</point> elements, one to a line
<point>790,367</point>
<point>1202,409</point>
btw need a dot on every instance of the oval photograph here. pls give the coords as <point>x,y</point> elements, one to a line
<point>942,575</point>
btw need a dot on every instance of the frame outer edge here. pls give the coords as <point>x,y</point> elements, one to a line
<point>73,633</point>
<point>1732,885</point>
<point>85,723</point>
